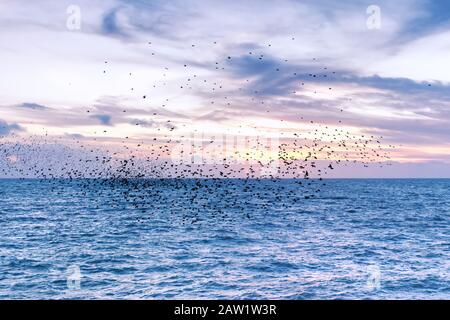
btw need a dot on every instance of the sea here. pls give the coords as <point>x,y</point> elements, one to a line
<point>225,239</point>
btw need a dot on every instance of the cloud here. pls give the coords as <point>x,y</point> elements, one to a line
<point>75,135</point>
<point>32,106</point>
<point>110,24</point>
<point>103,118</point>
<point>143,123</point>
<point>403,109</point>
<point>6,129</point>
<point>153,124</point>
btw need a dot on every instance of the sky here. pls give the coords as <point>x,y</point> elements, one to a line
<point>381,68</point>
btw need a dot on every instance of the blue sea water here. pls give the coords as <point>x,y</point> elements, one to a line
<point>356,239</point>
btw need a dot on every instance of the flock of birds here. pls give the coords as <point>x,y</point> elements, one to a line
<point>135,173</point>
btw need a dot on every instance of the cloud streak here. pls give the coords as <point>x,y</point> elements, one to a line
<point>7,128</point>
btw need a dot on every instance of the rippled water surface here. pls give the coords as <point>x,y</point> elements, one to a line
<point>356,239</point>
